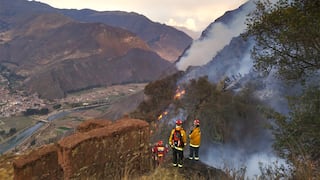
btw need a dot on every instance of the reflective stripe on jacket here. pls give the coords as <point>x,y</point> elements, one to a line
<point>195,137</point>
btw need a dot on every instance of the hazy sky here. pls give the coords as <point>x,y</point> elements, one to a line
<point>193,14</point>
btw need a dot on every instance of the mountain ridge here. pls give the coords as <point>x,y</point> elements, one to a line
<point>167,41</point>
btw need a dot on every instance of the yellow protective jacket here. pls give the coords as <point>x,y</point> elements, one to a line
<point>183,135</point>
<point>195,137</point>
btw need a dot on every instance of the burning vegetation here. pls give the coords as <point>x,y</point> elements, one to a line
<point>225,116</point>
<point>179,93</point>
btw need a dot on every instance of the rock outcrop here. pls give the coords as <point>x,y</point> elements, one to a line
<point>99,149</point>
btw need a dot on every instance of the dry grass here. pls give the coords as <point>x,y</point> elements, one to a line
<point>303,170</point>
<point>306,169</point>
<point>6,168</point>
<point>162,173</point>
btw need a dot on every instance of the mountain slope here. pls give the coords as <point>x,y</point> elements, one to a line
<point>78,74</point>
<point>48,49</point>
<point>232,103</point>
<point>168,42</point>
<point>57,55</point>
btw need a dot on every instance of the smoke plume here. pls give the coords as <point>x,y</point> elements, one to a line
<point>219,35</point>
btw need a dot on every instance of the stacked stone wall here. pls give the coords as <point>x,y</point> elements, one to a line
<point>111,151</point>
<point>40,164</point>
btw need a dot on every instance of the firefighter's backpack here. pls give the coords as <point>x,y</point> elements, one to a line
<point>177,138</point>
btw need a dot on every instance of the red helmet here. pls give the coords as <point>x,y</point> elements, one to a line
<point>160,143</point>
<point>178,122</point>
<point>196,122</point>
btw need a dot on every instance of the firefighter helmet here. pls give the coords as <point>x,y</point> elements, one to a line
<point>178,122</point>
<point>196,122</point>
<point>160,143</point>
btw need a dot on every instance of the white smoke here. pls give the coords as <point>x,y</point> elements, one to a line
<point>220,35</point>
<point>231,159</point>
<point>181,114</point>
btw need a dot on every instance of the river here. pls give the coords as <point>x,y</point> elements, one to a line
<point>20,137</point>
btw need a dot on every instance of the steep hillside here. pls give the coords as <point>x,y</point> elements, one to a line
<point>222,89</point>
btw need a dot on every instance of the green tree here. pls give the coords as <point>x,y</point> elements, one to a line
<point>225,117</point>
<point>287,36</point>
<point>158,95</point>
<point>302,128</point>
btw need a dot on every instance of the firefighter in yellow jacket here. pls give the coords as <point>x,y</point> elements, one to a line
<point>195,139</point>
<point>177,141</point>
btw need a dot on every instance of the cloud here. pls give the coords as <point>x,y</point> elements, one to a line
<point>189,23</point>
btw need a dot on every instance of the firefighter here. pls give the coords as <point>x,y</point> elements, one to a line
<point>195,139</point>
<point>159,151</point>
<point>177,141</point>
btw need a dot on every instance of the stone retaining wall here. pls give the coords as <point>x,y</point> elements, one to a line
<point>109,151</point>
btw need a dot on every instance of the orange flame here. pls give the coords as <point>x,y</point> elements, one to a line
<point>163,114</point>
<point>179,94</point>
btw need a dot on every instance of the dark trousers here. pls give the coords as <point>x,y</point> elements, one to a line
<point>194,152</point>
<point>177,156</point>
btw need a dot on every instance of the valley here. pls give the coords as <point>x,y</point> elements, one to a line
<point>14,102</point>
<point>71,111</point>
